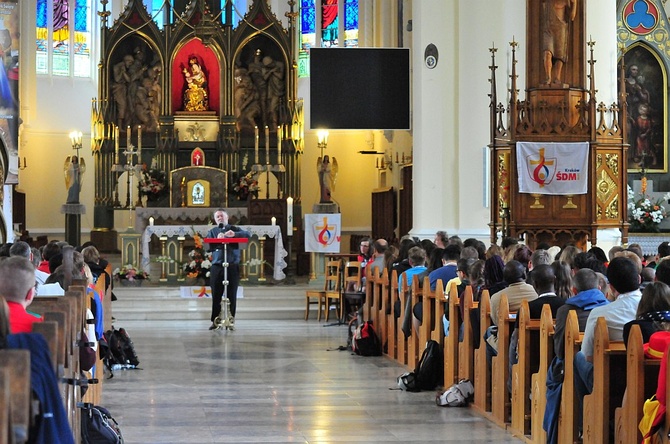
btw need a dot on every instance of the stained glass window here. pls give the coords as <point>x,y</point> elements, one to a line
<point>330,20</point>
<point>59,51</point>
<point>351,23</point>
<point>155,9</point>
<point>326,30</point>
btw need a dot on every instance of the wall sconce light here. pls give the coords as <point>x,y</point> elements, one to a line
<point>24,165</point>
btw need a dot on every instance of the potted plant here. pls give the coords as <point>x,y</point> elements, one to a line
<point>644,214</point>
<point>197,268</point>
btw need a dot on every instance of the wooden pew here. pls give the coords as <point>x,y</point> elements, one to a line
<point>607,356</point>
<point>391,321</point>
<point>641,382</point>
<point>50,331</point>
<point>386,305</point>
<point>567,424</point>
<point>482,382</point>
<point>500,396</point>
<point>539,379</point>
<point>428,309</point>
<point>451,342</point>
<point>414,348</point>
<point>521,371</point>
<point>107,300</point>
<point>466,352</point>
<point>5,409</point>
<point>17,362</point>
<point>400,340</point>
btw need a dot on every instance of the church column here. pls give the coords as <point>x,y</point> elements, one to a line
<point>435,122</point>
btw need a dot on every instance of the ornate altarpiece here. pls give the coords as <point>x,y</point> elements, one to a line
<point>565,111</point>
<point>245,77</point>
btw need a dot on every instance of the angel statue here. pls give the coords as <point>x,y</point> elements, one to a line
<point>73,168</point>
<point>327,174</point>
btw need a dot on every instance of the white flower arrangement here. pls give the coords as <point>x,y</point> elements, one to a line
<point>644,214</point>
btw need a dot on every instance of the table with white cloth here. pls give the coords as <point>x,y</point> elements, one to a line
<point>271,231</point>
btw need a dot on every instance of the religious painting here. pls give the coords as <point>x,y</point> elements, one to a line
<point>646,104</point>
<point>197,157</point>
<point>198,193</point>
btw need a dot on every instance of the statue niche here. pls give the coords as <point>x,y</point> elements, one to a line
<point>196,97</point>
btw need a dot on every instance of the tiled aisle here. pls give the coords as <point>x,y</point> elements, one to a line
<point>273,381</point>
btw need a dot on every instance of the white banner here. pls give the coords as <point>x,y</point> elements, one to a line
<point>323,233</point>
<point>552,168</point>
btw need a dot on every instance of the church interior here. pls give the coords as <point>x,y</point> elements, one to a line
<point>128,123</point>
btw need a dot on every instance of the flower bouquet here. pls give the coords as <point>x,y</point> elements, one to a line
<point>645,214</point>
<point>200,261</point>
<point>245,186</point>
<point>129,275</point>
<point>152,183</point>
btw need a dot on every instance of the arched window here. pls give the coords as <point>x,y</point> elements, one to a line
<point>336,24</point>
<point>61,52</point>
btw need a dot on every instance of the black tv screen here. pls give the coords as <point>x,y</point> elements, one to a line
<point>359,88</point>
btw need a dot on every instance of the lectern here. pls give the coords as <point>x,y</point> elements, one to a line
<point>225,319</point>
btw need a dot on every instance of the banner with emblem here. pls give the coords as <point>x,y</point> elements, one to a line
<point>323,233</point>
<point>552,168</point>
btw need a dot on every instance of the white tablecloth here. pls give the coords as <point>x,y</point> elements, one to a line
<point>271,231</point>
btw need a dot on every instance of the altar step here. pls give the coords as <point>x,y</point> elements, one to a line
<point>165,304</point>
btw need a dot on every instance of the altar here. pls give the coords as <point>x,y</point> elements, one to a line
<point>173,236</point>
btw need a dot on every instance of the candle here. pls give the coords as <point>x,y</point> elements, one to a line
<point>279,145</point>
<point>128,138</point>
<point>289,216</point>
<point>256,146</point>
<point>139,144</point>
<point>273,221</point>
<point>267,145</point>
<point>151,221</point>
<point>116,145</point>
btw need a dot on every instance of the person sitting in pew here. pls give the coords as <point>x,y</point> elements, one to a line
<point>624,277</point>
<point>17,286</point>
<point>653,312</point>
<point>22,249</point>
<point>587,296</point>
<point>517,289</point>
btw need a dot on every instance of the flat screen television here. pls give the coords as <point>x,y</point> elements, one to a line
<point>359,88</point>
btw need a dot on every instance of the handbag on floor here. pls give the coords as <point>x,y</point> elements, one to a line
<point>99,427</point>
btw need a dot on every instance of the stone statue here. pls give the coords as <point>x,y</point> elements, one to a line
<point>74,170</point>
<point>247,108</point>
<point>120,89</point>
<point>273,71</point>
<point>196,97</point>
<point>555,22</point>
<point>327,175</point>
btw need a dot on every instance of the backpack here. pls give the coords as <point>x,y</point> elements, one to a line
<point>365,341</point>
<point>119,351</point>
<point>429,372</point>
<point>457,395</point>
<point>99,427</point>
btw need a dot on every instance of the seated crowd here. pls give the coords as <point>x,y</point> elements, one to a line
<point>34,277</point>
<point>624,288</point>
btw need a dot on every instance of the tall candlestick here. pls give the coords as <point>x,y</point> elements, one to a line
<point>128,138</point>
<point>267,145</point>
<point>289,216</point>
<point>256,146</point>
<point>279,145</point>
<point>139,144</point>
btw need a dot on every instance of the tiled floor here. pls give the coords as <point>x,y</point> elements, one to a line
<point>273,381</point>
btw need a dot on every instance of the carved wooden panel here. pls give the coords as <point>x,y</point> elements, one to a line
<point>384,213</point>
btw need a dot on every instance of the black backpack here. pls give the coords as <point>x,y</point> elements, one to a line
<point>119,351</point>
<point>99,427</point>
<point>365,341</point>
<point>429,372</point>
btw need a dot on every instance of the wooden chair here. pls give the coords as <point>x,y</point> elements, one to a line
<point>353,295</point>
<point>331,284</point>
